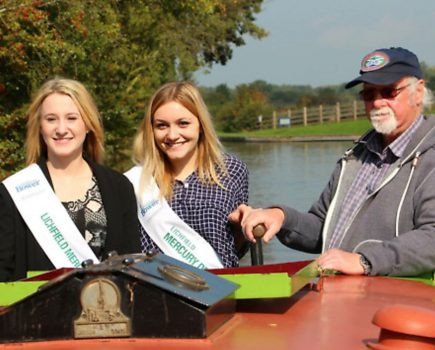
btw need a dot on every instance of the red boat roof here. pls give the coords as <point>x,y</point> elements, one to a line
<point>339,316</point>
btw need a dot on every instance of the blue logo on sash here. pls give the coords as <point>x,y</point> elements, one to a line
<point>26,185</point>
<point>147,207</point>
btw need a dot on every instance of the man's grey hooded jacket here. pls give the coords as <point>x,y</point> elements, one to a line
<point>395,226</point>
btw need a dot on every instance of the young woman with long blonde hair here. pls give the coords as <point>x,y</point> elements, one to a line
<point>181,160</point>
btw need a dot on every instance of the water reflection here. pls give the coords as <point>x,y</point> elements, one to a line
<point>286,173</point>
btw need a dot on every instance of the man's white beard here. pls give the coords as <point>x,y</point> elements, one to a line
<point>383,120</point>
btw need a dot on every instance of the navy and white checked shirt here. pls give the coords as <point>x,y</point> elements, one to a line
<point>372,172</point>
<point>206,208</point>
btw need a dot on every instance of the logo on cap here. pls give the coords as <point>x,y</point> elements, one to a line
<point>374,61</point>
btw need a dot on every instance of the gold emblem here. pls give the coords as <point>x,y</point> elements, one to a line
<point>101,315</point>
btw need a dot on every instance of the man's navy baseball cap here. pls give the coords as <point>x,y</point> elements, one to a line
<point>386,66</point>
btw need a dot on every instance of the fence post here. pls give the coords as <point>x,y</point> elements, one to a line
<point>355,110</point>
<point>289,115</point>
<point>274,120</point>
<point>305,116</point>
<point>321,114</point>
<point>260,121</point>
<point>337,112</point>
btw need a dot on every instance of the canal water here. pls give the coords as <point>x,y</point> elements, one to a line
<point>290,173</point>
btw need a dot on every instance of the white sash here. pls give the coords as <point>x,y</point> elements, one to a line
<point>171,234</point>
<point>47,218</point>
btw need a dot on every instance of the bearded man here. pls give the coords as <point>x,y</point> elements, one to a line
<point>376,216</point>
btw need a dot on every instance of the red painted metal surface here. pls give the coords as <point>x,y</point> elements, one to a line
<point>290,268</point>
<point>339,316</point>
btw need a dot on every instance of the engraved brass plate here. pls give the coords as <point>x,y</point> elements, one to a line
<point>101,315</point>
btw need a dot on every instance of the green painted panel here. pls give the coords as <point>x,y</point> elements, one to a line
<point>11,292</point>
<point>256,285</point>
<point>428,278</point>
<point>34,273</point>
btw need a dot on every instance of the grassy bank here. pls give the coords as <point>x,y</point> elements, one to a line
<point>345,128</point>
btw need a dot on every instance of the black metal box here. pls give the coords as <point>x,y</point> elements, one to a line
<point>152,296</point>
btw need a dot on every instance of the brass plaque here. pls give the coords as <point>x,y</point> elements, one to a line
<point>101,315</point>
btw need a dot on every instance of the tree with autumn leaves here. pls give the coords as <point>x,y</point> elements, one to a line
<point>122,50</point>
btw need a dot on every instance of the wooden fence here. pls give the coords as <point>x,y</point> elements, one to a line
<point>312,115</point>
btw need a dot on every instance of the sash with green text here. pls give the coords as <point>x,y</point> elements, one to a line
<point>171,234</point>
<point>47,218</point>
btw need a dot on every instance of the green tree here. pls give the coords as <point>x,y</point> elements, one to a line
<point>326,95</point>
<point>120,49</point>
<point>225,119</point>
<point>215,99</point>
<point>242,113</point>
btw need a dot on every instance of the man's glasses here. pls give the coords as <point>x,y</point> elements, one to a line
<point>388,92</point>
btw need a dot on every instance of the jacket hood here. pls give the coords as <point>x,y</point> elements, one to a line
<point>421,141</point>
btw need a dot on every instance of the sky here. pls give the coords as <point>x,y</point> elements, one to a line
<point>322,42</point>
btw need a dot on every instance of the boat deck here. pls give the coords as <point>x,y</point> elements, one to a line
<point>336,313</point>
